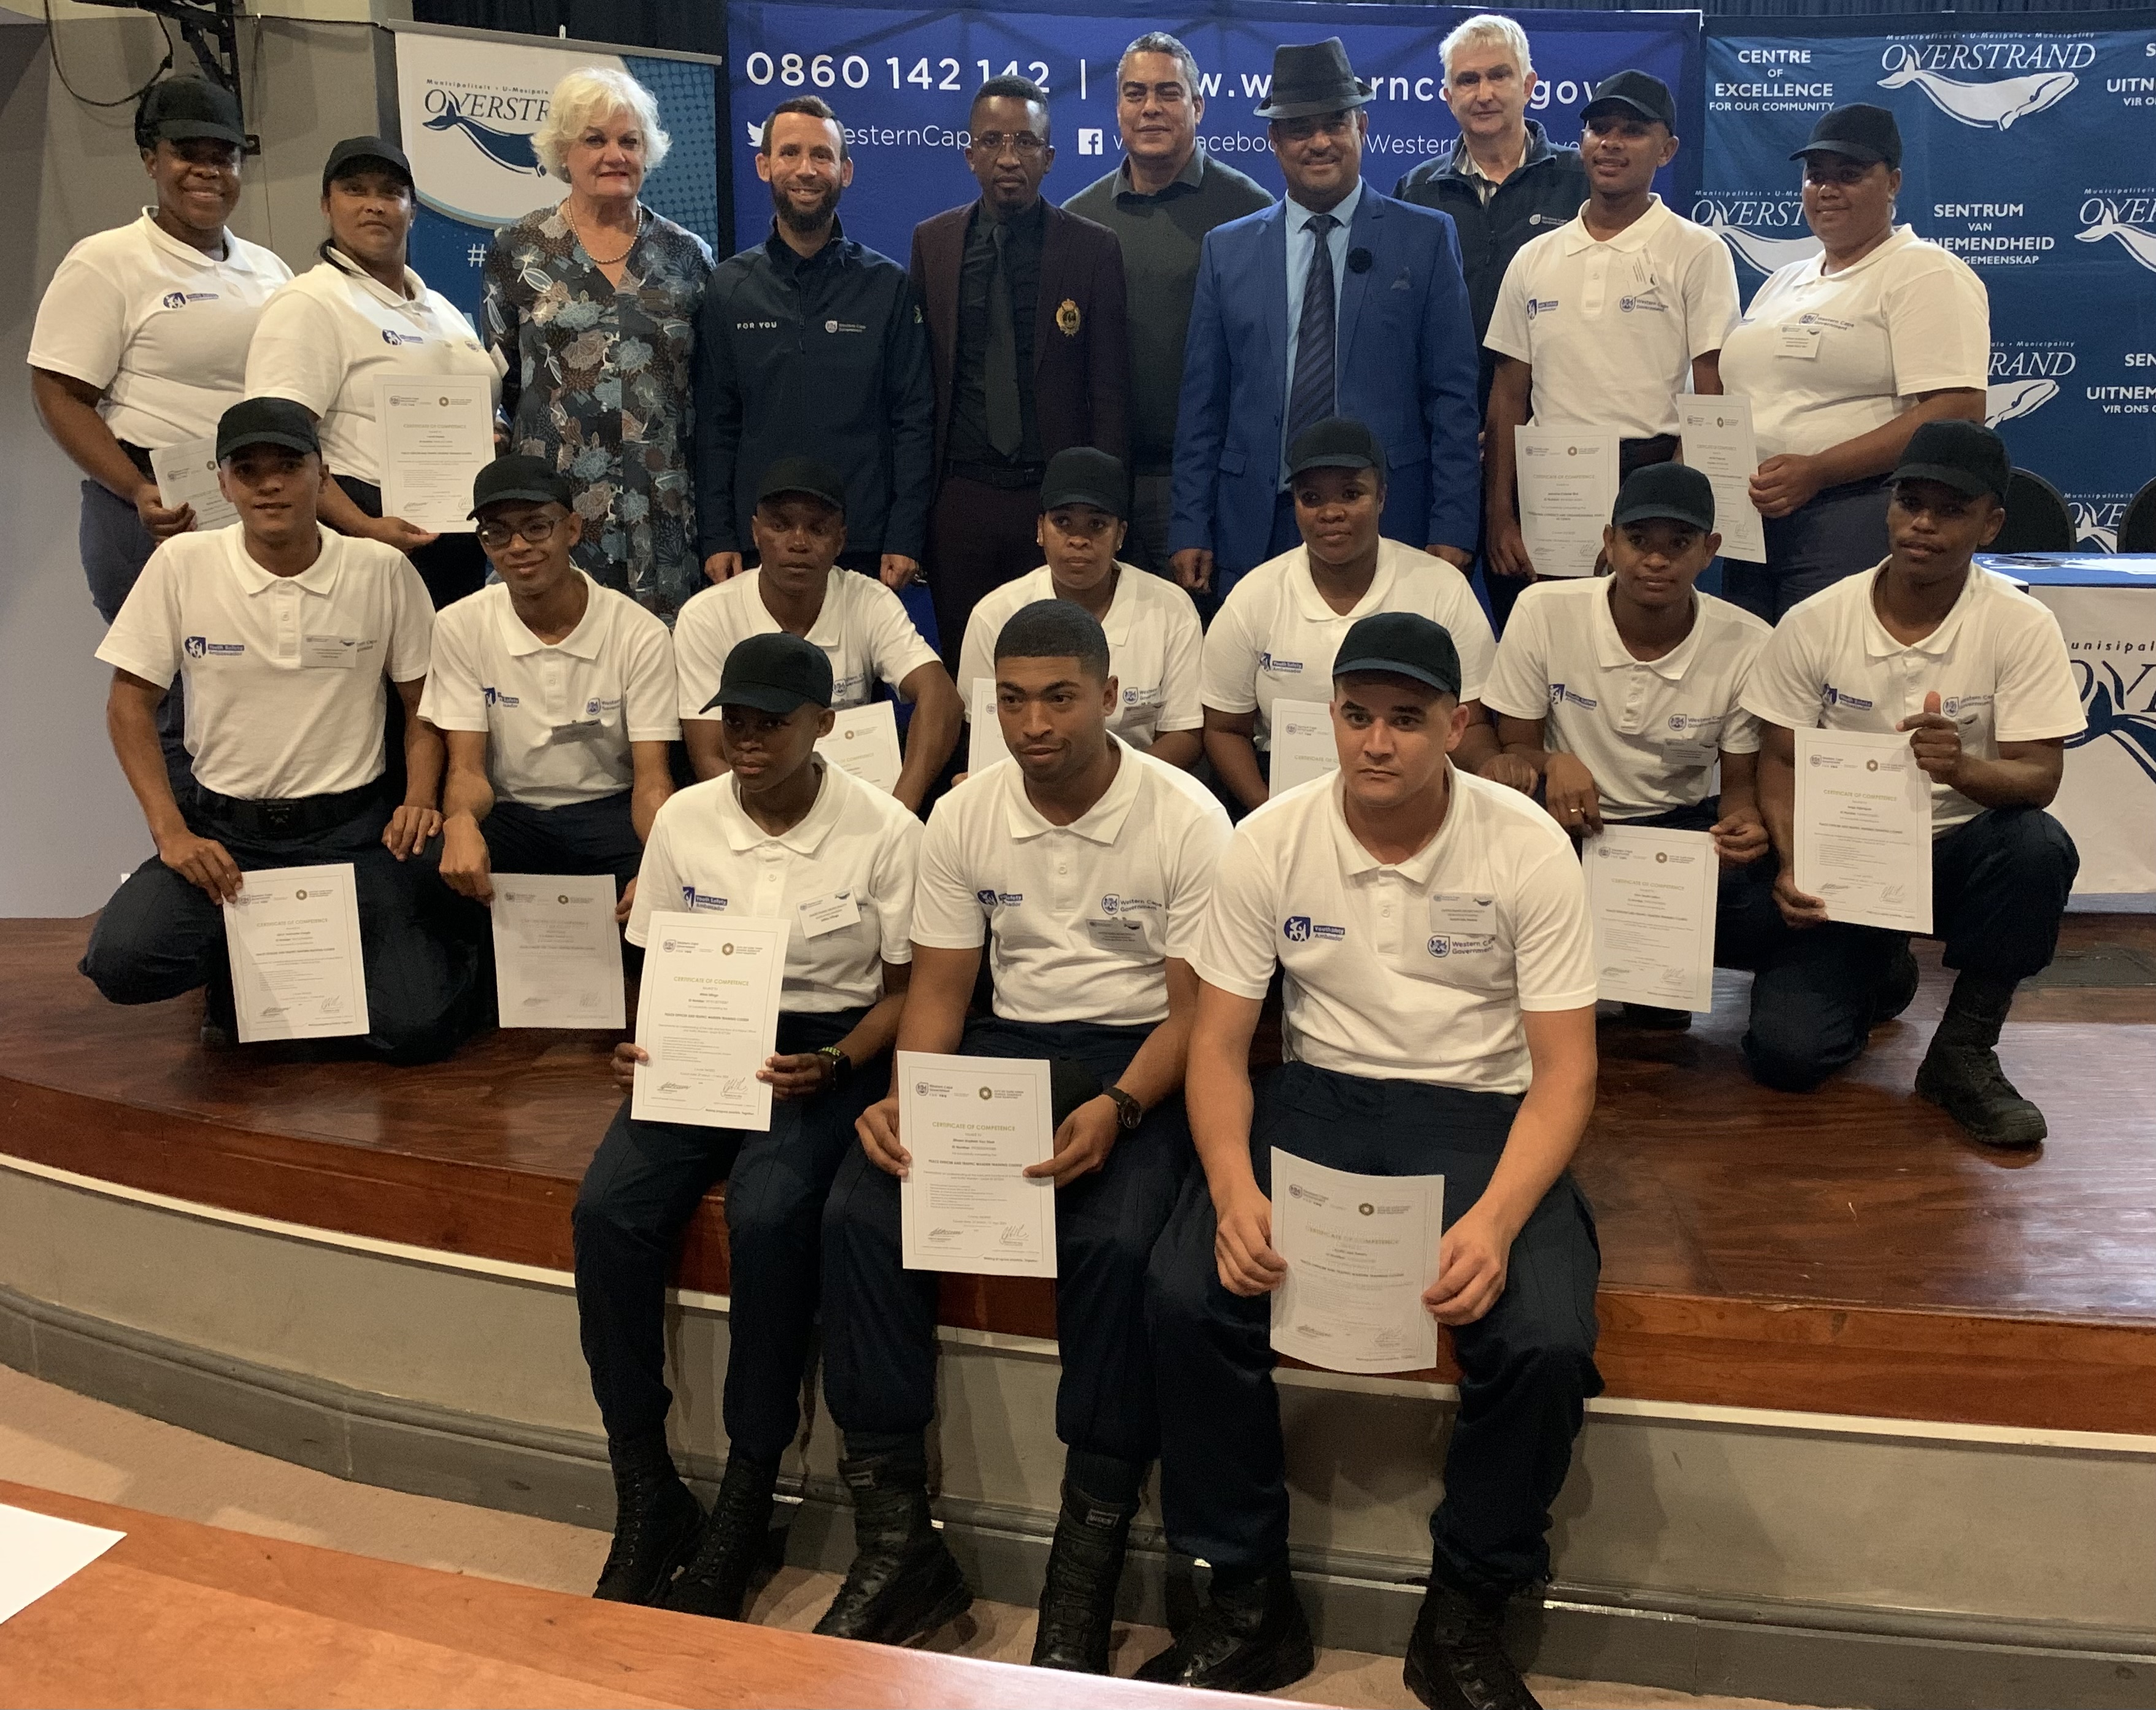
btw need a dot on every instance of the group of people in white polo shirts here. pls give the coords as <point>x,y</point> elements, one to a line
<point>1128,882</point>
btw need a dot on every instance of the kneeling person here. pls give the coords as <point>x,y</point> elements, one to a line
<point>286,636</point>
<point>1622,694</point>
<point>1976,672</point>
<point>783,830</point>
<point>798,589</point>
<point>1085,864</point>
<point>1440,1019</point>
<point>555,699</point>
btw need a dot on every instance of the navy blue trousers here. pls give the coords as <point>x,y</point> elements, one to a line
<point>642,1187</point>
<point>1528,1365</point>
<point>580,837</point>
<point>114,546</point>
<point>1999,883</point>
<point>879,1318</point>
<point>160,936</point>
<point>1836,534</point>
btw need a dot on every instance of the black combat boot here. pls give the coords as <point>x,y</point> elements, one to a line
<point>1961,1074</point>
<point>1078,1602</point>
<point>716,1582</point>
<point>1250,1637</point>
<point>904,1582</point>
<point>655,1522</point>
<point>1456,1657</point>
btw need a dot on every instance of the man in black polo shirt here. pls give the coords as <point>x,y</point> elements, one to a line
<point>811,345</point>
<point>1160,202</point>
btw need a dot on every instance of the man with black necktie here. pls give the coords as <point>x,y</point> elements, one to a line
<point>1030,349</point>
<point>1337,301</point>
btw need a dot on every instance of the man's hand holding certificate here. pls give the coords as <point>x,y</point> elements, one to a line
<point>293,937</point>
<point>1361,1252</point>
<point>970,1127</point>
<point>1863,829</point>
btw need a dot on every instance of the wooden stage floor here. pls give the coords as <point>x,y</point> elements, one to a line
<point>1843,1252</point>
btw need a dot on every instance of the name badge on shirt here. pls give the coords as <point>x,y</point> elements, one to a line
<point>579,731</point>
<point>331,653</point>
<point>1800,343</point>
<point>1462,923</point>
<point>826,914</point>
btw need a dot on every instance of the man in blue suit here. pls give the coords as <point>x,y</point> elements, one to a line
<point>1336,301</point>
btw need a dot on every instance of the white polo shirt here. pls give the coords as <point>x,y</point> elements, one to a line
<point>1997,662</point>
<point>1417,972</point>
<point>842,879</point>
<point>1827,358</point>
<point>1611,327</point>
<point>863,626</point>
<point>285,675</point>
<point>1082,917</point>
<point>559,716</point>
<point>1154,642</point>
<point>1649,730</point>
<point>160,328</point>
<point>1275,639</point>
<point>335,329</point>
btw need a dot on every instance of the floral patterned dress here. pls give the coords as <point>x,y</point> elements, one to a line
<point>598,384</point>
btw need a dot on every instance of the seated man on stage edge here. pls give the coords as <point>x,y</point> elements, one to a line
<point>1052,856</point>
<point>283,634</point>
<point>799,524</point>
<point>1440,1019</point>
<point>555,699</point>
<point>783,832</point>
<point>1976,672</point>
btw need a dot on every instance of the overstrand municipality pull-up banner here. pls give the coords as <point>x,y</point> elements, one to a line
<point>902,82</point>
<point>2030,153</point>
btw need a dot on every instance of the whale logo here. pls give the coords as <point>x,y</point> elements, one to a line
<point>2087,528</point>
<point>1988,106</point>
<point>1766,254</point>
<point>509,150</point>
<point>2104,702</point>
<point>2016,399</point>
<point>2139,244</point>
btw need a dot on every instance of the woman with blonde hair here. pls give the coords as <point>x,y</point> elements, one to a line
<point>592,304</point>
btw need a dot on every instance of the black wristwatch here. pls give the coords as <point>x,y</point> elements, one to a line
<point>841,1065</point>
<point>1129,1112</point>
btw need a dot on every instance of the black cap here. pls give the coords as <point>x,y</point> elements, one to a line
<point>357,154</point>
<point>1633,92</point>
<point>1082,475</point>
<point>1862,131</point>
<point>803,474</point>
<point>182,108</point>
<point>774,674</point>
<point>1338,442</point>
<point>531,478</point>
<point>266,421</point>
<point>1970,459</point>
<point>1313,80</point>
<point>1669,491</point>
<point>1401,644</point>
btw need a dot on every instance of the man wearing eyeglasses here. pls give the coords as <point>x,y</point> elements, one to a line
<point>1031,353</point>
<point>554,697</point>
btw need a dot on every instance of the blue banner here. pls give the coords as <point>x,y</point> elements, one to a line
<point>2030,153</point>
<point>902,82</point>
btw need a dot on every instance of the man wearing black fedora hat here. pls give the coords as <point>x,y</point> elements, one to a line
<point>1377,327</point>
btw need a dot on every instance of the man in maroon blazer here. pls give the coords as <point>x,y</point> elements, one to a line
<point>1024,305</point>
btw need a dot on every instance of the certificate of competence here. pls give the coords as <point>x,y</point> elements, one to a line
<point>437,434</point>
<point>1568,486</point>
<point>1360,1251</point>
<point>186,474</point>
<point>1301,736</point>
<point>556,951</point>
<point>863,741</point>
<point>972,1126</point>
<point>1718,443</point>
<point>984,741</point>
<point>1652,895</point>
<point>707,1012</point>
<point>293,937</point>
<point>1864,828</point>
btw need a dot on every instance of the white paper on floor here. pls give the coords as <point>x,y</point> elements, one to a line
<point>38,1552</point>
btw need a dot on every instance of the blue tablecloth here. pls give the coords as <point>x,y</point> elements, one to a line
<point>2075,569</point>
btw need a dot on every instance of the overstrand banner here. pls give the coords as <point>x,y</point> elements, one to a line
<point>2030,153</point>
<point>468,107</point>
<point>902,82</point>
